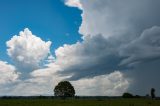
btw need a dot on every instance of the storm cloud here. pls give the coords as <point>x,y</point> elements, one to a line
<point>119,51</point>
<point>130,33</point>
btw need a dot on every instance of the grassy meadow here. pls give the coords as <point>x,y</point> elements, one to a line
<point>79,102</point>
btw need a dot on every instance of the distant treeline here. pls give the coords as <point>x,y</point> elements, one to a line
<point>75,97</point>
<point>56,97</point>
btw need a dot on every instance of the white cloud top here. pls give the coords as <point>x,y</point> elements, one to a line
<point>28,50</point>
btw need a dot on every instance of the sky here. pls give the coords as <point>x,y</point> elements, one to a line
<point>103,47</point>
<point>54,21</point>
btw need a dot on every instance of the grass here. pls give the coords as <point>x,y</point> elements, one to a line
<point>79,102</point>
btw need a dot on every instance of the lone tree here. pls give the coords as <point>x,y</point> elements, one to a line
<point>64,89</point>
<point>153,93</point>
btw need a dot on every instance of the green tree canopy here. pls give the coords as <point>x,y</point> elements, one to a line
<point>64,89</point>
<point>127,95</point>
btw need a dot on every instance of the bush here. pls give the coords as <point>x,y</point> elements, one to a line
<point>127,95</point>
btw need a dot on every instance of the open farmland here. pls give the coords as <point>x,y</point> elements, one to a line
<point>79,102</point>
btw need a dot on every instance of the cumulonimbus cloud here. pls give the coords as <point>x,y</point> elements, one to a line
<point>117,35</point>
<point>129,42</point>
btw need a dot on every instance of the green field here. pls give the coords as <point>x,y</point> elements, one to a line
<point>79,102</point>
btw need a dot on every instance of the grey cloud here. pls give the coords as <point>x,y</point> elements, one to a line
<point>145,76</point>
<point>116,18</point>
<point>143,55</point>
<point>96,55</point>
<point>129,42</point>
<point>144,48</point>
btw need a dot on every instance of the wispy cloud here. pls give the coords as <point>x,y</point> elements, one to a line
<point>73,3</point>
